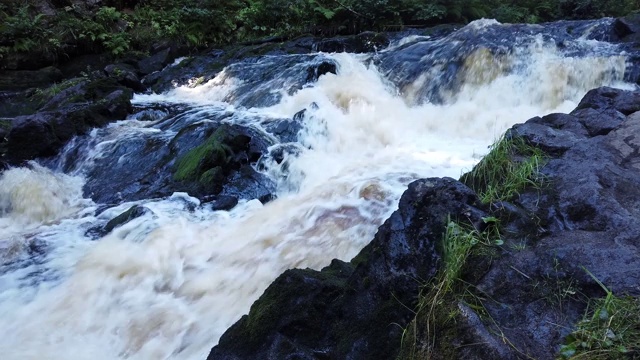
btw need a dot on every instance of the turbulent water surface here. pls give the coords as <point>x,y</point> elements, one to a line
<point>167,284</point>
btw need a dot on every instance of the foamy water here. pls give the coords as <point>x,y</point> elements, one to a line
<point>167,285</point>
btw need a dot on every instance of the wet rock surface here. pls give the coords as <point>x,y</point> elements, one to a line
<point>255,77</point>
<point>533,291</point>
<point>354,310</point>
<point>587,219</point>
<point>73,111</point>
<point>628,28</point>
<point>454,56</point>
<point>202,159</point>
<point>206,66</point>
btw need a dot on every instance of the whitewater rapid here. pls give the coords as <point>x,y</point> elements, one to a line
<point>166,285</point>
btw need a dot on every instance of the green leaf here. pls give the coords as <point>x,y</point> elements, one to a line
<point>490,219</point>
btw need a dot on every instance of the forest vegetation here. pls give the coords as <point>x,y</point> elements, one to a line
<point>60,29</point>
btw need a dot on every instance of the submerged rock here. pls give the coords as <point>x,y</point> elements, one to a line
<point>133,212</point>
<point>253,79</point>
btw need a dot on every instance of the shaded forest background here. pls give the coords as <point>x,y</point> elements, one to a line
<point>64,28</point>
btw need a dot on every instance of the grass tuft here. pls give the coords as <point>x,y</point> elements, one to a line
<point>511,166</point>
<point>437,304</point>
<point>610,329</point>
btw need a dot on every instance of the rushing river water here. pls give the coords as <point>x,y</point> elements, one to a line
<point>168,284</point>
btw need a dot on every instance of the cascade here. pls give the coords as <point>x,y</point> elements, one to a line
<point>167,284</point>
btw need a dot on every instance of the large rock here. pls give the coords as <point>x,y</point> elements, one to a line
<point>628,28</point>
<point>71,112</point>
<point>483,50</point>
<point>254,77</point>
<point>355,310</point>
<point>155,62</point>
<point>125,75</point>
<point>585,218</point>
<point>208,160</point>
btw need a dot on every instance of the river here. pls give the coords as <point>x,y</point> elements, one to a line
<point>167,284</point>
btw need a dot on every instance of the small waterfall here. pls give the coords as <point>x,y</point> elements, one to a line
<point>167,284</point>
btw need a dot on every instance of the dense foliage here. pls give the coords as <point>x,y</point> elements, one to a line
<point>66,27</point>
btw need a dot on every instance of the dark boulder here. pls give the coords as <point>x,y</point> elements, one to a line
<point>317,70</point>
<point>355,310</point>
<point>286,130</point>
<point>155,62</point>
<point>453,59</point>
<point>27,61</point>
<point>527,294</point>
<point>203,67</point>
<point>599,121</point>
<point>72,112</point>
<point>20,102</point>
<point>606,98</point>
<point>84,63</point>
<point>125,75</point>
<point>257,75</point>
<point>628,28</point>
<point>23,79</point>
<point>585,219</point>
<point>552,141</point>
<point>222,202</point>
<point>133,212</point>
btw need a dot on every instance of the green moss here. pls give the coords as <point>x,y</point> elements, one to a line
<point>510,167</point>
<point>204,162</point>
<point>212,176</point>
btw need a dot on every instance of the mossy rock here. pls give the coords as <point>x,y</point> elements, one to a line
<point>212,176</point>
<point>205,162</point>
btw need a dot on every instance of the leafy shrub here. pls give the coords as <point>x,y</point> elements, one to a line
<point>137,24</point>
<point>24,32</point>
